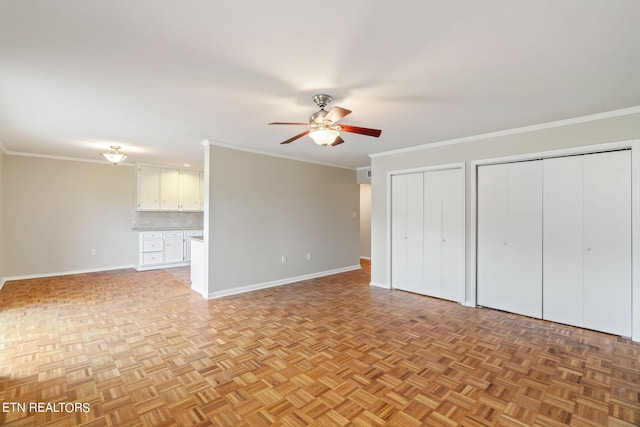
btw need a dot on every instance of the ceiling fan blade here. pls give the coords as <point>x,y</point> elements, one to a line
<point>300,135</point>
<point>361,131</point>
<point>338,140</point>
<point>287,123</point>
<point>336,113</point>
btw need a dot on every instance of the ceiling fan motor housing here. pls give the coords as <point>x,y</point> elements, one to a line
<point>322,100</point>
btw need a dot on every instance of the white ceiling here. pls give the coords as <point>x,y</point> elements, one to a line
<point>158,77</point>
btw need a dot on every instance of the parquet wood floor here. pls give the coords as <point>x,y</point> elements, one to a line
<point>142,349</point>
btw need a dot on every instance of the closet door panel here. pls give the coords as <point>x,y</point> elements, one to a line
<point>493,190</point>
<point>415,225</point>
<point>607,242</point>
<point>399,229</point>
<point>510,237</point>
<point>433,233</point>
<point>524,240</point>
<point>563,242</point>
<point>452,225</point>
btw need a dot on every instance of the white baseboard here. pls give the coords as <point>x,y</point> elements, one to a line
<point>280,282</point>
<point>379,285</point>
<point>160,266</point>
<point>63,273</point>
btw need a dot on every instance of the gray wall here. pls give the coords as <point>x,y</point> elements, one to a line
<point>261,208</point>
<point>2,239</point>
<point>365,221</point>
<point>613,129</point>
<point>55,211</point>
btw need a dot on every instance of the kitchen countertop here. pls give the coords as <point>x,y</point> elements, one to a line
<point>164,228</point>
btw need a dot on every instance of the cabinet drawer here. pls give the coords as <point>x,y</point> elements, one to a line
<point>151,245</point>
<point>152,235</point>
<point>150,258</point>
<point>193,233</point>
<point>173,234</point>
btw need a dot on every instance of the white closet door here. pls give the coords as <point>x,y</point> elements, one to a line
<point>493,211</point>
<point>510,237</point>
<point>407,232</point>
<point>452,284</point>
<point>524,243</point>
<point>433,233</point>
<point>563,249</point>
<point>415,246</point>
<point>607,242</point>
<point>399,230</point>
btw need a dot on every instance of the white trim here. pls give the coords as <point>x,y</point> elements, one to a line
<point>161,266</point>
<point>635,240</point>
<point>270,154</point>
<point>380,285</point>
<point>65,273</point>
<point>524,129</point>
<point>280,282</point>
<point>634,145</point>
<point>73,159</point>
<point>365,257</point>
<point>463,183</point>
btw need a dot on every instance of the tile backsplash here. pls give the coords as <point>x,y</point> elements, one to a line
<point>166,219</point>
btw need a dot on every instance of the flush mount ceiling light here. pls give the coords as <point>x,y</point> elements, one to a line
<point>114,155</point>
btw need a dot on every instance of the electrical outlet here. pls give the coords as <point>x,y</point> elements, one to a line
<point>284,259</point>
<point>93,252</point>
<point>308,256</point>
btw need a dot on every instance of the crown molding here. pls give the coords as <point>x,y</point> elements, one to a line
<point>514,131</point>
<point>72,159</point>
<point>266,153</point>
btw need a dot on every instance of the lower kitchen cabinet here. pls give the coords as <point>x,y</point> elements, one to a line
<point>162,249</point>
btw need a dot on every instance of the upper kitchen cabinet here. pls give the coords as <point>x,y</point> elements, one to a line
<point>167,189</point>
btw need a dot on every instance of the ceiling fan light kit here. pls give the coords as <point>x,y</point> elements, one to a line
<point>324,137</point>
<point>323,127</point>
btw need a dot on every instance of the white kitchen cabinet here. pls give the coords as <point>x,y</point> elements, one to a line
<point>151,248</point>
<point>190,197</point>
<point>174,249</point>
<point>148,188</point>
<point>427,223</point>
<point>167,189</point>
<point>587,241</point>
<point>170,189</point>
<point>162,249</point>
<point>509,267</point>
<point>187,242</point>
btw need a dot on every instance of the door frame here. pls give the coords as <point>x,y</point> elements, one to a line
<point>463,250</point>
<point>634,146</point>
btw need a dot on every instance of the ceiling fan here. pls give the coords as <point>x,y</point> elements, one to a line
<point>323,126</point>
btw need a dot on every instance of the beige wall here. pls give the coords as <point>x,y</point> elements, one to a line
<point>614,129</point>
<point>365,221</point>
<point>261,208</point>
<point>56,211</point>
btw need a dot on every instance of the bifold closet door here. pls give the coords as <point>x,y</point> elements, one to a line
<point>509,244</point>
<point>443,269</point>
<point>407,232</point>
<point>587,241</point>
